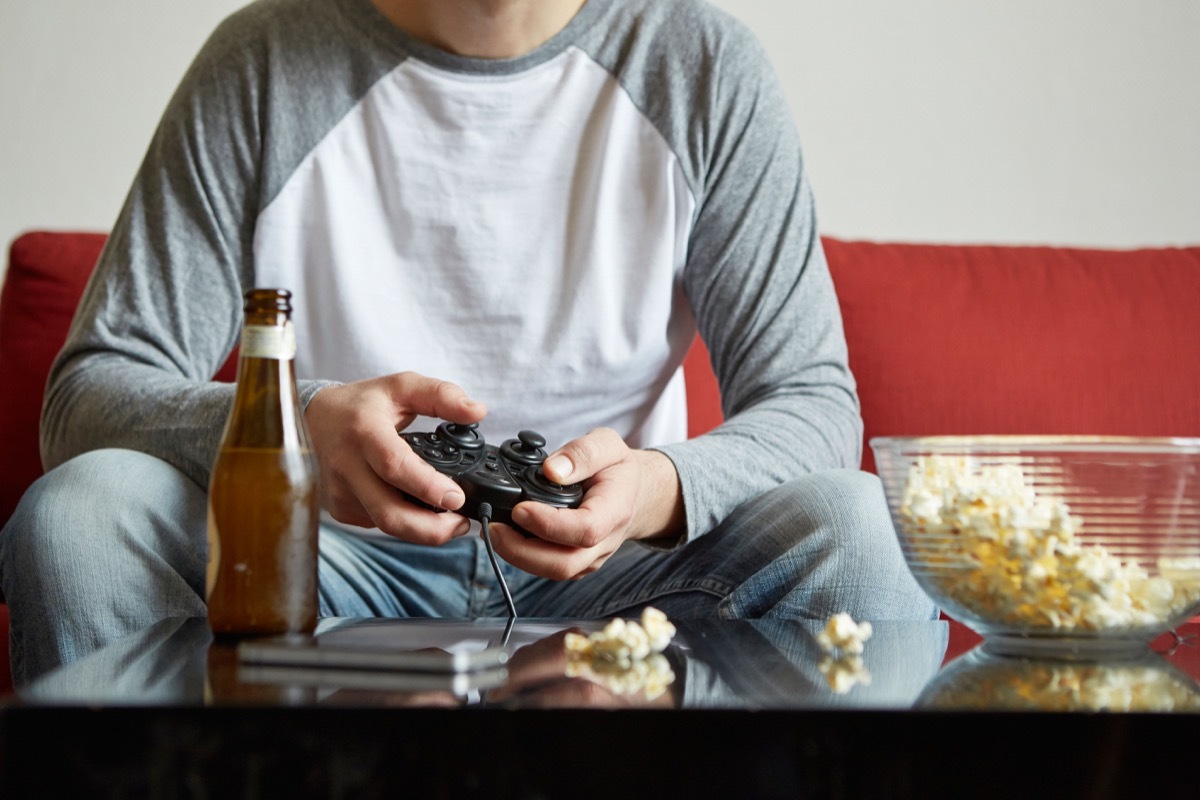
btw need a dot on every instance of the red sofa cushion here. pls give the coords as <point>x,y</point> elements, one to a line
<point>46,275</point>
<point>973,339</point>
<point>1026,340</point>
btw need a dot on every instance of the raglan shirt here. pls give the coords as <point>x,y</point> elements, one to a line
<point>547,231</point>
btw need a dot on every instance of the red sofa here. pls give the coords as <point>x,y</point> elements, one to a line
<point>943,339</point>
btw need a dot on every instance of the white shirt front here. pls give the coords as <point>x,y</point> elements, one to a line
<point>567,251</point>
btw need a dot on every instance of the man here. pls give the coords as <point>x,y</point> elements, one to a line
<point>530,203</point>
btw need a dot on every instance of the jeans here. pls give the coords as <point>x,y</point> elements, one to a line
<point>114,541</point>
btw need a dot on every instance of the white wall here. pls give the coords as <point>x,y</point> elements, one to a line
<point>1056,121</point>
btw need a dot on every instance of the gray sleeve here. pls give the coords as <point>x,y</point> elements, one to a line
<point>163,308</point>
<point>762,295</point>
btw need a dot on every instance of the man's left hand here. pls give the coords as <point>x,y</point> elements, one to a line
<point>629,494</point>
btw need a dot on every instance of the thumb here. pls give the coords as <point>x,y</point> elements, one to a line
<point>584,457</point>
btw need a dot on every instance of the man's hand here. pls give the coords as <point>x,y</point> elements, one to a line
<point>365,467</point>
<point>630,494</point>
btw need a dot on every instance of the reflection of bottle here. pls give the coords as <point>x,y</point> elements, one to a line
<point>263,504</point>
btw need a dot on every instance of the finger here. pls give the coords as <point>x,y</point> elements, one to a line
<point>394,462</point>
<point>405,521</point>
<point>411,523</point>
<point>345,508</point>
<point>582,458</point>
<point>377,504</point>
<point>538,557</point>
<point>431,397</point>
<point>549,559</point>
<point>605,510</point>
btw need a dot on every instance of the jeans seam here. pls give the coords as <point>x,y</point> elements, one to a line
<point>717,588</point>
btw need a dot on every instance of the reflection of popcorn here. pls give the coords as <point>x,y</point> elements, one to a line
<point>650,676</point>
<point>625,656</point>
<point>843,641</point>
<point>1053,686</point>
<point>1024,566</point>
<point>843,633</point>
<point>844,672</point>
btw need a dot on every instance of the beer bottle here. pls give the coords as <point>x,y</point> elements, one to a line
<point>263,503</point>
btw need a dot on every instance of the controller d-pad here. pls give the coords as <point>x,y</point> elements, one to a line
<point>433,450</point>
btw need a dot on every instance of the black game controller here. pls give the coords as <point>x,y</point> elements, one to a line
<point>499,476</point>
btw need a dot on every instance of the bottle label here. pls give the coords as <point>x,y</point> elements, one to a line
<point>269,341</point>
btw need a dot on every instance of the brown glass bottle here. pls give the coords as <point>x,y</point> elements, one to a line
<point>263,502</point>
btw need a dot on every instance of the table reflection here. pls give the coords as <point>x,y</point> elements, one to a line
<point>760,664</point>
<point>982,680</point>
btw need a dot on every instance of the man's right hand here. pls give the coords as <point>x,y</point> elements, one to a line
<point>366,468</point>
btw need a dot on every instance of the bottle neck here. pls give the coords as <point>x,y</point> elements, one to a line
<point>268,339</point>
<point>266,407</point>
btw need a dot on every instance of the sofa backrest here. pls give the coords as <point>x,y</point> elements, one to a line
<point>949,339</point>
<point>973,339</point>
<point>45,278</point>
<point>943,339</point>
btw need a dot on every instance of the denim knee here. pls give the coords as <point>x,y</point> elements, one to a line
<point>840,553</point>
<point>97,548</point>
<point>78,523</point>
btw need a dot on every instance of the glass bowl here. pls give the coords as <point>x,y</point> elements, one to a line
<point>1060,544</point>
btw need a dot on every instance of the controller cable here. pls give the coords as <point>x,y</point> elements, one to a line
<point>485,516</point>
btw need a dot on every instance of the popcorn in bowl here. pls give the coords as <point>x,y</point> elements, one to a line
<point>984,537</point>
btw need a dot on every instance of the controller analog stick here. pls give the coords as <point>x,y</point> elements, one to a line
<point>465,436</point>
<point>526,448</point>
<point>531,441</point>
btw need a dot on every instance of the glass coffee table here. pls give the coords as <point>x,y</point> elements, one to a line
<point>487,707</point>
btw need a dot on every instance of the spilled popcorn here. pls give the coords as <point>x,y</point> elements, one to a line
<point>843,641</point>
<point>843,633</point>
<point>1023,564</point>
<point>626,657</point>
